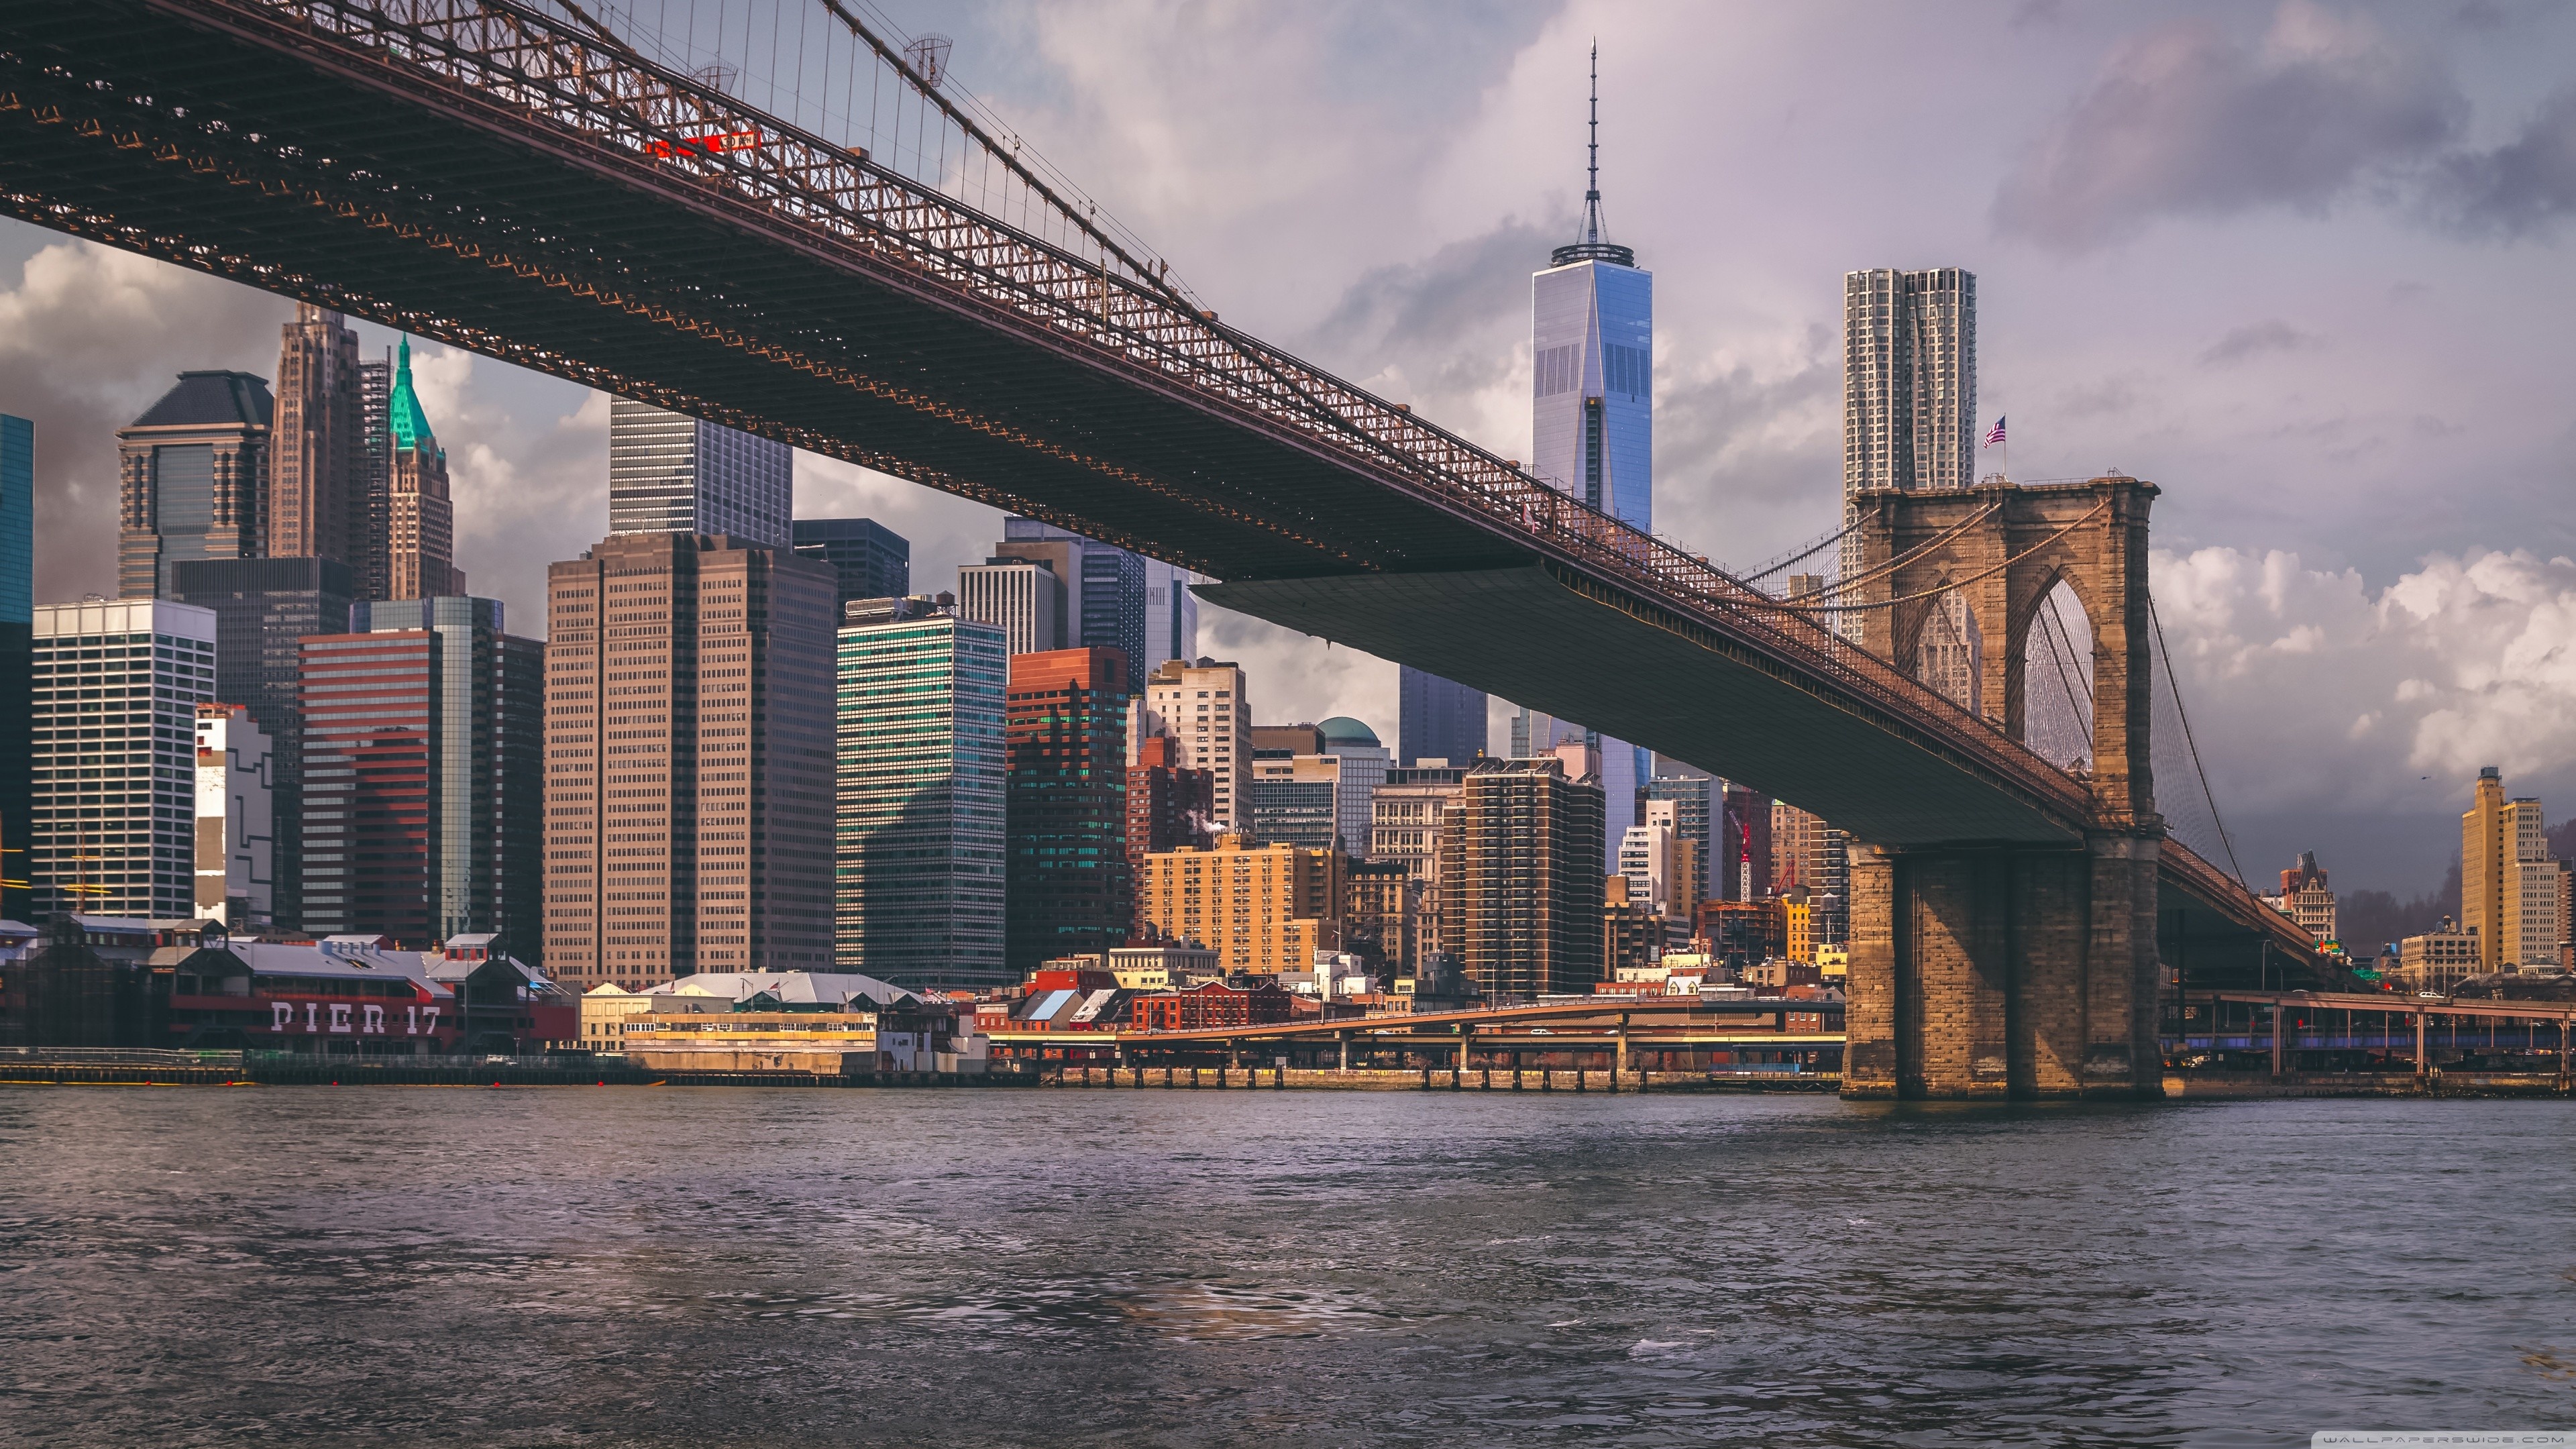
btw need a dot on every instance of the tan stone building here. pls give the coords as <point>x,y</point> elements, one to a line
<point>1261,908</point>
<point>2440,958</point>
<point>1203,708</point>
<point>2508,883</point>
<point>689,782</point>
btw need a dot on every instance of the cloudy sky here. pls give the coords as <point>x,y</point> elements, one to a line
<point>2305,266</point>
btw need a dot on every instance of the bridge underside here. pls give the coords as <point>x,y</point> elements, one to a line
<point>1533,637</point>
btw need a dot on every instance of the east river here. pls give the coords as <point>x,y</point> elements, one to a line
<point>657,1266</point>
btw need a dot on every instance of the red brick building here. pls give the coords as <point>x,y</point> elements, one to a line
<point>1214,1006</point>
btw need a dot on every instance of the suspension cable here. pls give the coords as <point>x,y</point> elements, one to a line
<point>2052,628</point>
<point>1802,555</point>
<point>1937,590</point>
<point>2173,686</point>
<point>1898,561</point>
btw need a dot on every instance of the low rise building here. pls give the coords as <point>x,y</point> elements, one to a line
<point>1162,965</point>
<point>2440,959</point>
<point>1214,1006</point>
<point>1262,908</point>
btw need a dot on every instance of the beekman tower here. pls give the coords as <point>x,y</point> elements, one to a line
<point>1592,352</point>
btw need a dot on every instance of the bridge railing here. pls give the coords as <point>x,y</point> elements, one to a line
<point>514,63</point>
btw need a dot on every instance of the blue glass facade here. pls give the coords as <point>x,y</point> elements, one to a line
<point>1592,349</point>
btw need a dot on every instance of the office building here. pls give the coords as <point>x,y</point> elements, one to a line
<point>264,608</point>
<point>1382,915</point>
<point>1407,818</point>
<point>318,491</point>
<point>1296,800</point>
<point>1261,908</point>
<point>1069,890</point>
<point>2441,958</point>
<point>1620,766</point>
<point>873,561</point>
<point>367,569</point>
<point>419,539</point>
<point>672,473</point>
<point>1744,844</point>
<point>1203,708</point>
<point>1697,800</point>
<point>1952,652</point>
<point>1105,589</point>
<point>689,763</point>
<point>2508,884</point>
<point>1023,598</point>
<point>1521,883</point>
<point>193,479</point>
<point>422,786</point>
<point>1909,379</point>
<point>1672,856</point>
<point>1436,719</point>
<point>114,714</point>
<point>2305,898</point>
<point>1364,764</point>
<point>1645,863</point>
<point>1168,806</point>
<point>17,653</point>
<point>236,814</point>
<point>922,841</point>
<point>1592,346</point>
<point>1171,614</point>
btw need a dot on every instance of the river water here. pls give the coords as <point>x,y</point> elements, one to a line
<point>747,1267</point>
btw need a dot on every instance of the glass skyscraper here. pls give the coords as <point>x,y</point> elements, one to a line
<point>874,561</point>
<point>1437,719</point>
<point>672,473</point>
<point>1592,430</point>
<point>920,840</point>
<point>194,479</point>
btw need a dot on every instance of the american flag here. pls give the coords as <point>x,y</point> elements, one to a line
<point>1995,434</point>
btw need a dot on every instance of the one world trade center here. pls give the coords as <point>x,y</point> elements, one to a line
<point>1592,350</point>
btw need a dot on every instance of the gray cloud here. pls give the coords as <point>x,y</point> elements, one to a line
<point>2183,120</point>
<point>2253,339</point>
<point>2521,188</point>
<point>1437,315</point>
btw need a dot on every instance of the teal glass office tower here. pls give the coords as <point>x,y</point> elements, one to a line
<point>17,652</point>
<point>920,841</point>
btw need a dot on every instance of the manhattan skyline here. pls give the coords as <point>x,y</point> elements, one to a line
<point>2281,338</point>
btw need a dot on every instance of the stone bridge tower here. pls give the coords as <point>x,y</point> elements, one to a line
<point>1981,969</point>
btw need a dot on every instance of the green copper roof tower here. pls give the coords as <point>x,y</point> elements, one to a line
<point>405,420</point>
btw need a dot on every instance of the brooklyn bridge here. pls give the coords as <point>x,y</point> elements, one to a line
<point>522,180</point>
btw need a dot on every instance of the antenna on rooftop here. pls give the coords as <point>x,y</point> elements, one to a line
<point>1592,160</point>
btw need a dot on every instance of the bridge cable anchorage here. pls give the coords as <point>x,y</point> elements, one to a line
<point>2174,686</point>
<point>1787,607</point>
<point>1894,562</point>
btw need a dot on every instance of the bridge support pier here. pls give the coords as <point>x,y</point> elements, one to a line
<point>1991,972</point>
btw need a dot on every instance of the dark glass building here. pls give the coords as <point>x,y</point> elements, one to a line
<point>264,607</point>
<point>420,782</point>
<point>874,561</point>
<point>17,652</point>
<point>1104,587</point>
<point>194,479</point>
<point>1067,888</point>
<point>1437,719</point>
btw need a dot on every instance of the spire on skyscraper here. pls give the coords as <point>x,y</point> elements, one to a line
<point>405,419</point>
<point>1590,247</point>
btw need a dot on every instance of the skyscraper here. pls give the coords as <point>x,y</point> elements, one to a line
<point>1024,598</point>
<point>1521,884</point>
<point>1364,765</point>
<point>1171,615</point>
<point>318,484</point>
<point>17,650</point>
<point>1105,588</point>
<point>264,607</point>
<point>1696,801</point>
<point>672,473</point>
<point>1408,819</point>
<point>2508,883</point>
<point>193,479</point>
<point>419,540</point>
<point>1909,379</point>
<point>1592,351</point>
<point>1436,719</point>
<point>1068,887</point>
<point>688,761</point>
<point>1203,708</point>
<point>874,561</point>
<point>117,687</point>
<point>922,842</point>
